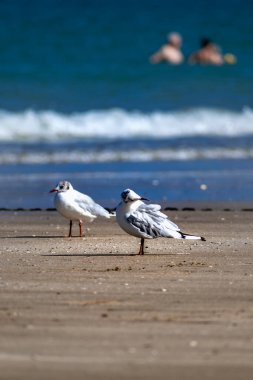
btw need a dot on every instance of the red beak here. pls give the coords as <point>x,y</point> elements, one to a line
<point>53,191</point>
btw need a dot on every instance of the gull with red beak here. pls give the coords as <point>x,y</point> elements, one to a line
<point>146,221</point>
<point>74,205</point>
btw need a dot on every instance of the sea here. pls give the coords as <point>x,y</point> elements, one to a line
<point>80,101</point>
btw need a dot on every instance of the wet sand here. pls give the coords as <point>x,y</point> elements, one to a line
<point>91,309</point>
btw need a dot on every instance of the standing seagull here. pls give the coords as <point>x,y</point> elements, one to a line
<point>74,205</point>
<point>146,221</point>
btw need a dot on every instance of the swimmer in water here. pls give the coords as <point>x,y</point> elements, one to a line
<point>170,52</point>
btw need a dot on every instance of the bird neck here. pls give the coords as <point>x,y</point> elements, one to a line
<point>131,206</point>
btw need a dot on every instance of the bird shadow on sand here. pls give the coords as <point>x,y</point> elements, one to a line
<point>34,237</point>
<point>89,254</point>
<point>104,254</point>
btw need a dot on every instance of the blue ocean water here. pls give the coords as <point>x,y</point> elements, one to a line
<point>79,100</point>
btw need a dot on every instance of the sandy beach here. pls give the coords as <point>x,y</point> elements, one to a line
<point>91,309</point>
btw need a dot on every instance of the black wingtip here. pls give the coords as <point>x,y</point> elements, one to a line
<point>111,210</point>
<point>202,238</point>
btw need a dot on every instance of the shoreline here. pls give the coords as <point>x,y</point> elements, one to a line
<point>89,307</point>
<point>233,206</point>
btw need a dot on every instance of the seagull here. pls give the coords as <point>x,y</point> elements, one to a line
<point>146,221</point>
<point>74,205</point>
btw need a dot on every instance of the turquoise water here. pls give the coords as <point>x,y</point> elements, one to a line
<point>80,100</point>
<point>82,55</point>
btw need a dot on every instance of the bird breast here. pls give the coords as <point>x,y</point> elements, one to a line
<point>68,208</point>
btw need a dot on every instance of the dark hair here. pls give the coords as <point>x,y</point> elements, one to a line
<point>205,41</point>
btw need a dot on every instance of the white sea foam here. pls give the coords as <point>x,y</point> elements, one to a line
<point>120,124</point>
<point>76,156</point>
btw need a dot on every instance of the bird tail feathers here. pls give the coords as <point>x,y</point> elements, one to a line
<point>191,237</point>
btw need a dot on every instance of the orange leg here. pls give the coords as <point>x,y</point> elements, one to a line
<point>80,228</point>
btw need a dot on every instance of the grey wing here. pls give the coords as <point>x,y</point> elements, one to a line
<point>142,226</point>
<point>154,213</point>
<point>151,223</point>
<point>88,204</point>
<point>98,210</point>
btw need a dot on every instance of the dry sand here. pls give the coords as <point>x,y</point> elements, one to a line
<point>90,309</point>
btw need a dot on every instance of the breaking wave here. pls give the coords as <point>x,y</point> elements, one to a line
<point>33,125</point>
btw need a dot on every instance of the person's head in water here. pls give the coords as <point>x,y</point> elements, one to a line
<point>204,42</point>
<point>175,39</point>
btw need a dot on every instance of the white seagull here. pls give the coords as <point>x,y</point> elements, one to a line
<point>146,221</point>
<point>74,205</point>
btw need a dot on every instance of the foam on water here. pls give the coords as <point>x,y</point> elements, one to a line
<point>30,125</point>
<point>78,156</point>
